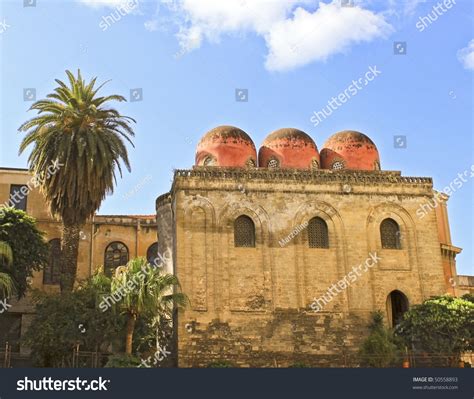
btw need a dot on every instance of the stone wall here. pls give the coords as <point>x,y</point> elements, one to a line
<point>251,306</point>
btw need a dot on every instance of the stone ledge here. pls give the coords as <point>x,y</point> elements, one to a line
<point>314,176</point>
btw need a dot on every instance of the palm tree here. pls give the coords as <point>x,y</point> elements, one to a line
<point>79,133</point>
<point>145,290</point>
<point>7,286</point>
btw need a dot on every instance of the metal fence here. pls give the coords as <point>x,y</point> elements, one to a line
<point>89,359</point>
<point>5,356</point>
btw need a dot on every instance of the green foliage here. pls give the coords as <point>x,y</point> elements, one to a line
<point>299,365</point>
<point>122,361</point>
<point>84,138</point>
<point>154,291</point>
<point>442,325</point>
<point>380,348</point>
<point>6,254</point>
<point>7,286</point>
<point>221,364</point>
<point>77,129</point>
<point>146,291</point>
<point>62,321</point>
<point>29,251</point>
<point>468,297</point>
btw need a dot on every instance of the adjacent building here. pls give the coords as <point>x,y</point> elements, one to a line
<point>106,240</point>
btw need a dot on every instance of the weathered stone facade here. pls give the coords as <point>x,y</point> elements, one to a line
<point>252,306</point>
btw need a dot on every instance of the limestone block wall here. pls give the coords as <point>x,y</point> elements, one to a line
<point>164,221</point>
<point>251,306</point>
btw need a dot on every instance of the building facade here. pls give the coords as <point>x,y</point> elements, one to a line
<point>106,240</point>
<point>285,261</point>
<point>284,254</point>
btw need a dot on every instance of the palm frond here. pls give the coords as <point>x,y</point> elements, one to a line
<point>7,286</point>
<point>6,253</point>
<point>78,129</point>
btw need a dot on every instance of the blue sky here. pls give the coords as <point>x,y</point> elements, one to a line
<point>188,57</point>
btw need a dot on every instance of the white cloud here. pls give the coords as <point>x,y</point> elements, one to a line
<point>151,25</point>
<point>331,29</point>
<point>209,19</point>
<point>466,56</point>
<point>294,35</point>
<point>412,5</point>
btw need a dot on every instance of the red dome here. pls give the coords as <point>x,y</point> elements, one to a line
<point>350,150</point>
<point>226,146</point>
<point>288,148</point>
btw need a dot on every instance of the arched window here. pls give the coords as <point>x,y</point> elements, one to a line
<point>116,254</point>
<point>273,163</point>
<point>244,232</point>
<point>390,234</point>
<point>337,165</point>
<point>397,305</point>
<point>52,271</point>
<point>314,163</point>
<point>318,236</point>
<point>250,163</point>
<point>152,254</point>
<point>209,161</point>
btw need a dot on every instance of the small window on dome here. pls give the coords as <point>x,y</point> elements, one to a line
<point>250,163</point>
<point>338,165</point>
<point>209,161</point>
<point>273,163</point>
<point>314,163</point>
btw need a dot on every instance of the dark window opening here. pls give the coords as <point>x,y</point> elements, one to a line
<point>318,236</point>
<point>152,254</point>
<point>390,234</point>
<point>19,196</point>
<point>244,232</point>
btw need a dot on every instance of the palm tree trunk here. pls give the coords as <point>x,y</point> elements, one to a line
<point>132,318</point>
<point>69,252</point>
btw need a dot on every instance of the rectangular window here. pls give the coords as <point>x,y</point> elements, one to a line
<point>18,196</point>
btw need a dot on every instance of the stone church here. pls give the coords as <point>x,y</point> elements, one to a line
<point>283,255</point>
<point>260,242</point>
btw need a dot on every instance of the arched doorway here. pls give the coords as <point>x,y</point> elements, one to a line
<point>397,305</point>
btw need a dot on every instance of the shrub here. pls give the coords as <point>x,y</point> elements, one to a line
<point>380,348</point>
<point>29,250</point>
<point>441,325</point>
<point>299,365</point>
<point>64,320</point>
<point>122,361</point>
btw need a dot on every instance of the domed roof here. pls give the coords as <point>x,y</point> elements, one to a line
<point>288,148</point>
<point>350,150</point>
<point>226,146</point>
